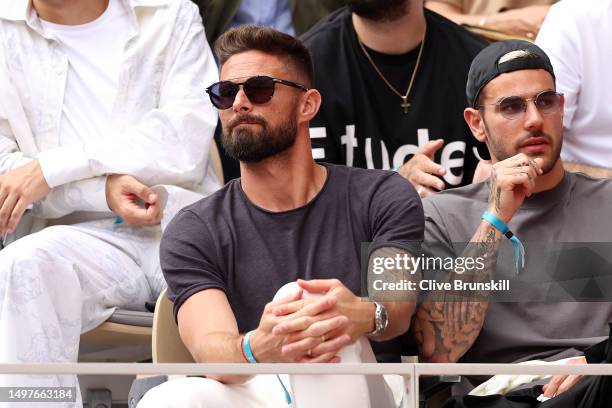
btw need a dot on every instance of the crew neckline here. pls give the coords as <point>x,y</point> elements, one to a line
<point>328,175</point>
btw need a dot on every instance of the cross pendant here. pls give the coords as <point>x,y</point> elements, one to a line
<point>405,103</point>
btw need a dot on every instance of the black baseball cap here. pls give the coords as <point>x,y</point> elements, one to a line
<point>501,57</point>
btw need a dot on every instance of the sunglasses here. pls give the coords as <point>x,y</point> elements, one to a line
<point>513,107</point>
<point>259,89</point>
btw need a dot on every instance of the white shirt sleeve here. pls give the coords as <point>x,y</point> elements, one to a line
<point>82,195</point>
<point>170,144</point>
<point>10,156</point>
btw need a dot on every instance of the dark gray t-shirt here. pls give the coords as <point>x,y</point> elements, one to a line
<point>226,242</point>
<point>575,211</point>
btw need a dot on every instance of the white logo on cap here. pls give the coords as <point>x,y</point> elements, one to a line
<point>516,54</point>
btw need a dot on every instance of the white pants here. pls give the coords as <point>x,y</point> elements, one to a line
<point>66,280</point>
<point>341,391</point>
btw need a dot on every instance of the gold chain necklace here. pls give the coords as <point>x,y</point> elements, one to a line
<point>405,105</point>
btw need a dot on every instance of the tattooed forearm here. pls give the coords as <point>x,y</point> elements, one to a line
<point>497,199</point>
<point>447,323</point>
<point>491,183</point>
<point>494,192</point>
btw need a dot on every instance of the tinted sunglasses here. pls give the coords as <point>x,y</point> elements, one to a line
<point>259,89</point>
<point>513,107</point>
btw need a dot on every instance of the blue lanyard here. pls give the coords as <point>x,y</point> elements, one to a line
<point>246,346</point>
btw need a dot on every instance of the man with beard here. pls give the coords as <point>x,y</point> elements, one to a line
<point>516,111</point>
<point>392,76</point>
<point>289,230</point>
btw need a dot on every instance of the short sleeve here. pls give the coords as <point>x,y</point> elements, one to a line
<point>434,224</point>
<point>188,254</point>
<point>397,214</point>
<point>437,242</point>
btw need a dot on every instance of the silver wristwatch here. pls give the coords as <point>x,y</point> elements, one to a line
<point>381,320</point>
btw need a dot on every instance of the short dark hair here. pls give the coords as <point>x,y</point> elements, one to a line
<point>250,37</point>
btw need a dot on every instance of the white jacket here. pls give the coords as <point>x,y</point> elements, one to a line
<point>162,123</point>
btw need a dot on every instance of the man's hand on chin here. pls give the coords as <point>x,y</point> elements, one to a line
<point>18,189</point>
<point>135,202</point>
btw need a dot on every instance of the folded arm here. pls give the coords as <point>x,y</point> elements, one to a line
<point>167,145</point>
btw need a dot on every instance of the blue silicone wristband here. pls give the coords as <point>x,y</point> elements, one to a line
<point>496,222</point>
<point>519,251</point>
<point>246,347</point>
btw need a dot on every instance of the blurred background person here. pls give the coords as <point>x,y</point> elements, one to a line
<point>288,16</point>
<point>571,35</point>
<point>392,75</point>
<point>519,17</point>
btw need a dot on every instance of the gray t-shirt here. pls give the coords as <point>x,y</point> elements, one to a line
<point>575,211</point>
<point>226,242</point>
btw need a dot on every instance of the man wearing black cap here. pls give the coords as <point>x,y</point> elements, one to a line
<point>529,198</point>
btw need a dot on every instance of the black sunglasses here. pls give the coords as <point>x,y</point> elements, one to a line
<point>512,107</point>
<point>259,89</point>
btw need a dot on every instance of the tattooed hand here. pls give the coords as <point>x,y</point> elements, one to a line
<point>511,181</point>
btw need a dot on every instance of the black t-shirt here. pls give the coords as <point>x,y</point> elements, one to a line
<point>226,242</point>
<point>361,111</point>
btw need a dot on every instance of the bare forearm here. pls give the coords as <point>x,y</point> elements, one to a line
<point>447,324</point>
<point>221,348</point>
<point>596,172</point>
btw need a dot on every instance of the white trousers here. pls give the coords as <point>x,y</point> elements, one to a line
<point>66,280</point>
<point>316,391</point>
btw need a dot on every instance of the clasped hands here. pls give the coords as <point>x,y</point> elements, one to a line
<point>311,330</point>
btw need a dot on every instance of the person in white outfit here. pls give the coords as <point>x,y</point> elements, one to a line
<point>570,36</point>
<point>267,269</point>
<point>104,130</point>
